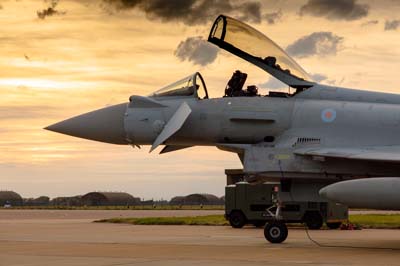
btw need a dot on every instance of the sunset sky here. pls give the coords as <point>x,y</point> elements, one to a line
<point>62,58</point>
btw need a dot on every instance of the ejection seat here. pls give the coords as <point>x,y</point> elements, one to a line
<point>234,88</point>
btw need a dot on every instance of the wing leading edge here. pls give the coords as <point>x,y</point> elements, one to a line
<point>373,153</point>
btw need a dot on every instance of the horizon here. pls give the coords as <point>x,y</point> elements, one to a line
<point>135,196</point>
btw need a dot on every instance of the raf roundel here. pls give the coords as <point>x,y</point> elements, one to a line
<point>328,115</point>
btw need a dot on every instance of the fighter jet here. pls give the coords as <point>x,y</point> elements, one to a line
<point>346,140</point>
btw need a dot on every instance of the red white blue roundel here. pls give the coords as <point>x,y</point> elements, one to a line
<point>328,115</point>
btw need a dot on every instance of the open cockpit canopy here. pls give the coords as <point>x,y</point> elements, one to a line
<point>190,86</point>
<point>248,43</point>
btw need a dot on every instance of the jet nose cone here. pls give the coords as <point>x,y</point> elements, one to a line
<point>105,125</point>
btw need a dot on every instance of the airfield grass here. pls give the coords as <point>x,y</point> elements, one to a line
<point>137,207</point>
<point>188,220</point>
<point>375,221</point>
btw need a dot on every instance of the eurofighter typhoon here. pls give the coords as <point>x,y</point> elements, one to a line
<point>345,140</point>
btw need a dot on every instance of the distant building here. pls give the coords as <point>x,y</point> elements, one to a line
<point>10,198</point>
<point>40,201</point>
<point>197,199</point>
<point>67,201</point>
<point>178,200</point>
<point>109,199</point>
<point>204,199</point>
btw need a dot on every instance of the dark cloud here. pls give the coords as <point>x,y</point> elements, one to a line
<point>317,77</point>
<point>273,17</point>
<point>196,50</point>
<point>50,11</point>
<point>392,24</point>
<point>190,12</point>
<point>317,43</point>
<point>335,9</point>
<point>249,11</point>
<point>370,23</point>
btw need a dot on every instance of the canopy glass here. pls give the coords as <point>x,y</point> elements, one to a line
<point>253,46</point>
<point>190,86</point>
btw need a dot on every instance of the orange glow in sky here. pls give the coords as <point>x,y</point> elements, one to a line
<point>87,57</point>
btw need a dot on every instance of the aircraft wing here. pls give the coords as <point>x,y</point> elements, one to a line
<point>373,153</point>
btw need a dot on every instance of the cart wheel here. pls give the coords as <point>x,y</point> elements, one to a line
<point>237,219</point>
<point>334,225</point>
<point>275,232</point>
<point>313,220</point>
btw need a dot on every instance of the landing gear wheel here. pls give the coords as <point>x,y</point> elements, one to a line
<point>237,219</point>
<point>313,220</point>
<point>334,225</point>
<point>275,232</point>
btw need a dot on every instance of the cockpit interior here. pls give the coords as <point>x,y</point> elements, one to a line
<point>194,86</point>
<point>236,88</point>
<point>251,45</point>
